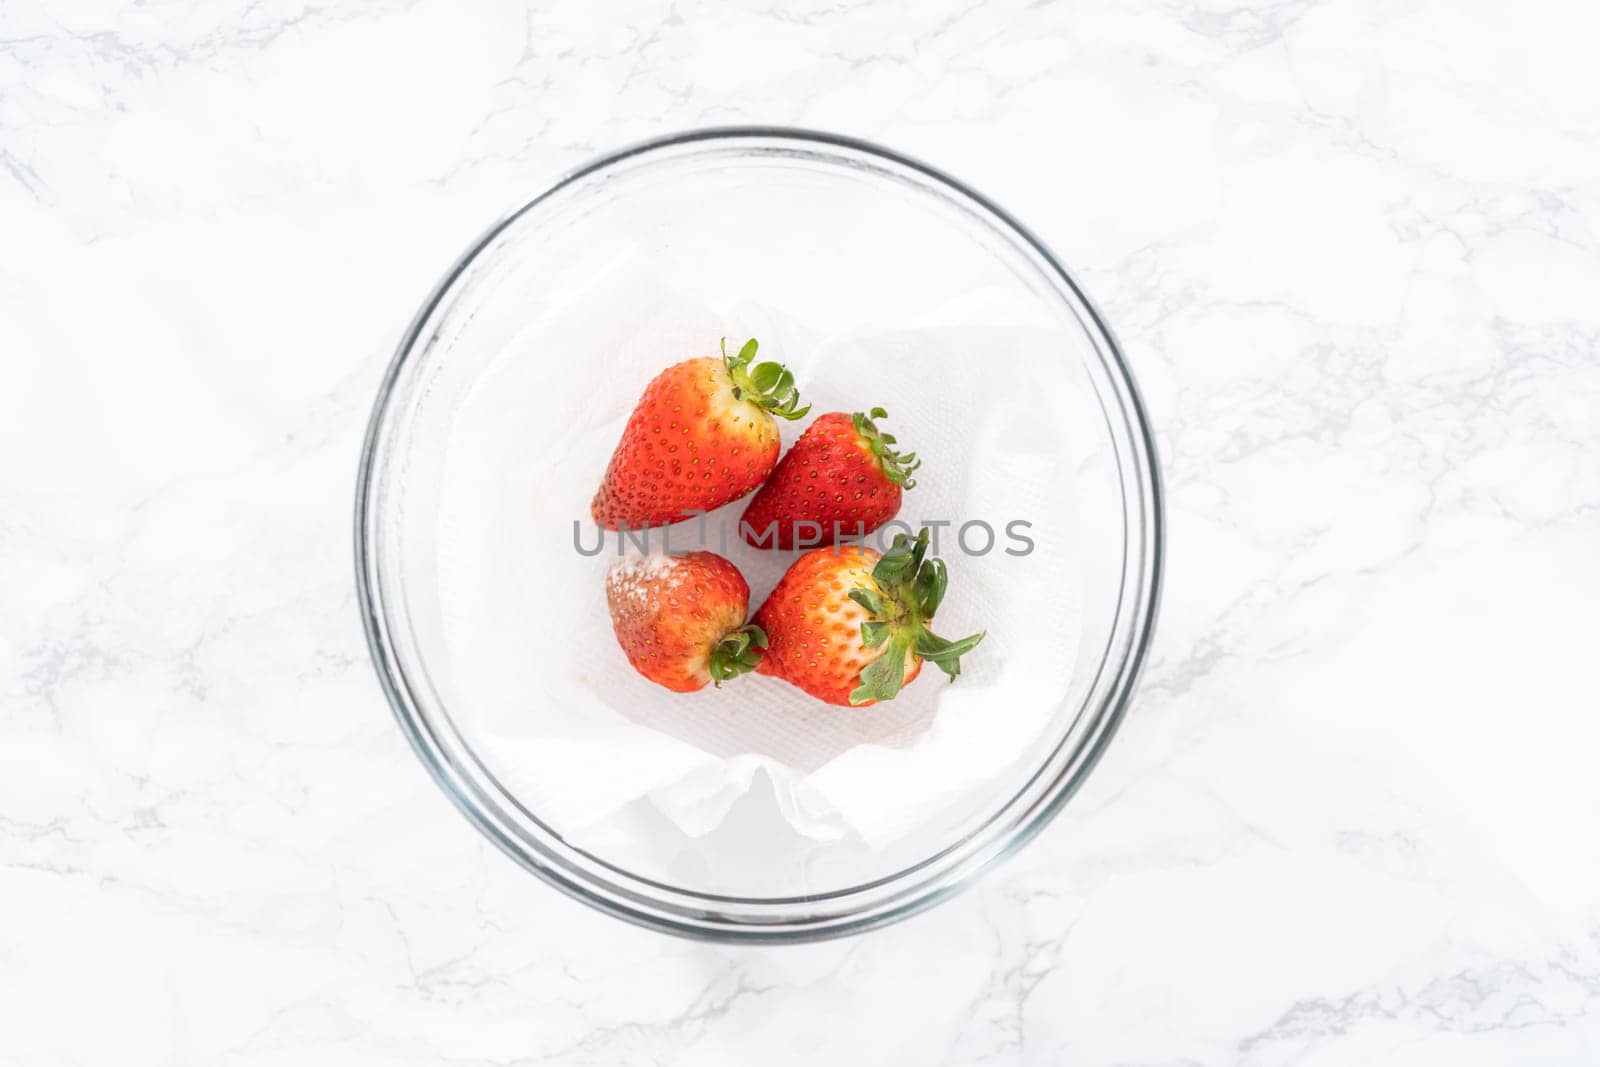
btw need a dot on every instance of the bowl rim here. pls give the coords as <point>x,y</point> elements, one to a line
<point>705,924</point>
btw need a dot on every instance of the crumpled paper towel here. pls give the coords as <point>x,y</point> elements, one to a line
<point>536,680</point>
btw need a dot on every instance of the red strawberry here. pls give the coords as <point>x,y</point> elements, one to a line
<point>680,619</point>
<point>703,434</point>
<point>851,627</point>
<point>841,479</point>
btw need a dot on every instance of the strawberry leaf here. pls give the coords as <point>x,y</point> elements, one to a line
<point>929,586</point>
<point>765,375</point>
<point>869,599</point>
<point>874,634</point>
<point>946,655</point>
<point>882,678</point>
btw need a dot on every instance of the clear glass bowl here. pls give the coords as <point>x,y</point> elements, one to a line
<point>844,225</point>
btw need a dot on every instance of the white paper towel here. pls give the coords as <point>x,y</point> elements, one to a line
<point>538,684</point>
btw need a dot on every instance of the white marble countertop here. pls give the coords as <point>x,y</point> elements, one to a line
<point>1353,251</point>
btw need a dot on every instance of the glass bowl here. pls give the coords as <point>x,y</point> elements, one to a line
<point>488,630</point>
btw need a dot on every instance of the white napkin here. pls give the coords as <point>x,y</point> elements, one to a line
<point>535,679</point>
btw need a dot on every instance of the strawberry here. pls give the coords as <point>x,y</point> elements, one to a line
<point>850,626</point>
<point>842,478</point>
<point>701,435</point>
<point>680,619</point>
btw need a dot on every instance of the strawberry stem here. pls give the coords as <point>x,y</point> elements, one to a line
<point>906,591</point>
<point>768,385</point>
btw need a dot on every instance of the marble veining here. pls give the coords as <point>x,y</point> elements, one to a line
<point>1353,251</point>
